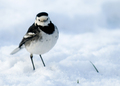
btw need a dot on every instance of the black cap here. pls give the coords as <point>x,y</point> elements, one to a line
<point>42,14</point>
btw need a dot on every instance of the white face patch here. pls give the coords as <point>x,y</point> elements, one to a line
<point>43,20</point>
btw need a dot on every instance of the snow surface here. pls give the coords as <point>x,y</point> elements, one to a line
<point>89,31</point>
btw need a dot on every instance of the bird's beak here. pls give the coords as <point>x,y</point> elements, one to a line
<point>43,19</point>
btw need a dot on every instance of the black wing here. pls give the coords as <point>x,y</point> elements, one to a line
<point>32,32</point>
<point>24,40</point>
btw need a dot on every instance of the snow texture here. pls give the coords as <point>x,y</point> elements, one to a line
<point>89,32</point>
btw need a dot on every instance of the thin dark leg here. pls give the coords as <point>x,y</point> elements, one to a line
<point>42,61</point>
<point>31,56</point>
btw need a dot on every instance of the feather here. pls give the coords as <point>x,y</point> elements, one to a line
<point>30,34</point>
<point>16,50</point>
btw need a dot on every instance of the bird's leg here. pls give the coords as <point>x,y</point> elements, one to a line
<point>42,61</point>
<point>31,57</point>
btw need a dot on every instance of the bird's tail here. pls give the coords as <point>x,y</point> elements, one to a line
<point>16,50</point>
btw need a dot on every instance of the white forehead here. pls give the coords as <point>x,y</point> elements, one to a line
<point>42,17</point>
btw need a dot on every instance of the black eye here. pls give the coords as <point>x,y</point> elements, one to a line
<point>38,19</point>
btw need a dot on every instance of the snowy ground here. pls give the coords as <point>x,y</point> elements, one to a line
<point>90,33</point>
<point>67,62</point>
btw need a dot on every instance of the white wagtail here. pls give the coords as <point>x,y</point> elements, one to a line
<point>41,36</point>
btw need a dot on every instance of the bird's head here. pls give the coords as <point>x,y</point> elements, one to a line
<point>42,19</point>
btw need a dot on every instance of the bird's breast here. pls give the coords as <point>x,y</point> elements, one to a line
<point>43,44</point>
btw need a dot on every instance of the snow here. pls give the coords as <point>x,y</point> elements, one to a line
<point>90,33</point>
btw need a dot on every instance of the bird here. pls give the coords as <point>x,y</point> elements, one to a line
<point>40,38</point>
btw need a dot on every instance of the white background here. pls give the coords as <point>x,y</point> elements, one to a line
<point>89,31</point>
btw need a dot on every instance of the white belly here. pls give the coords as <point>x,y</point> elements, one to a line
<point>43,45</point>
